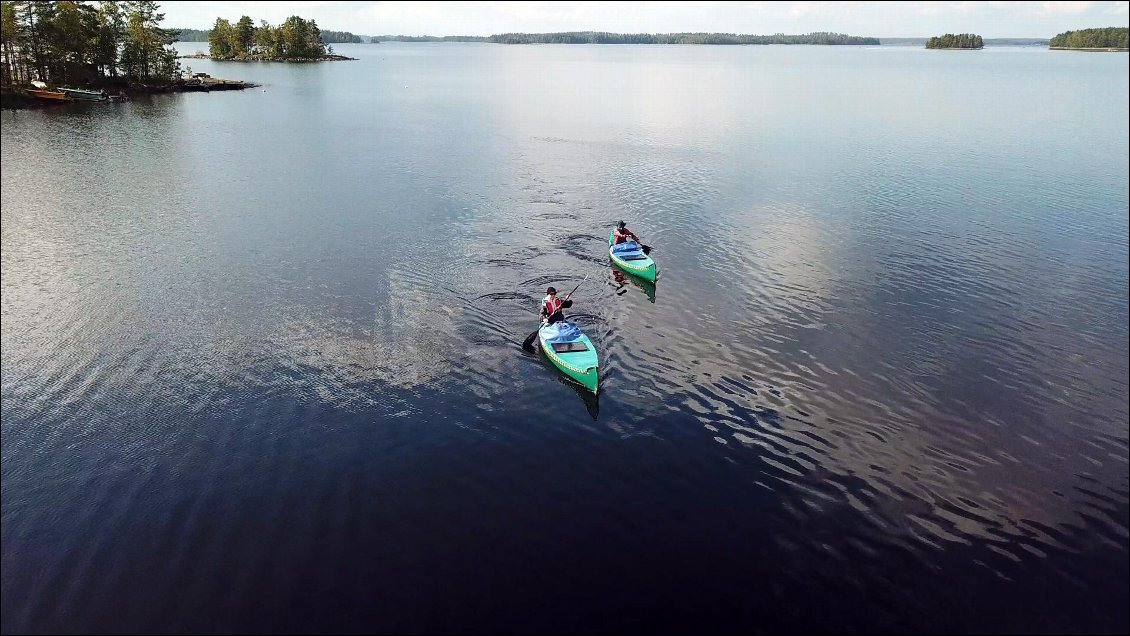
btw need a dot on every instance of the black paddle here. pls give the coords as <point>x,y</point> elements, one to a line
<point>577,287</point>
<point>528,343</point>
<point>646,248</point>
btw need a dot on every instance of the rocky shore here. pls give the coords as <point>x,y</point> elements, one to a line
<point>19,97</point>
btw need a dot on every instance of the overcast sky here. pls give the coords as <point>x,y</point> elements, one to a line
<point>877,19</point>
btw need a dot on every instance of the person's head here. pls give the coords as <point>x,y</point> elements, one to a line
<point>551,291</point>
<point>621,225</point>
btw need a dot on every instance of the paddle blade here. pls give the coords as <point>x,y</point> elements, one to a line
<point>646,249</point>
<point>528,344</point>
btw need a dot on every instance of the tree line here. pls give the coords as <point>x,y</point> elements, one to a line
<point>79,43</point>
<point>194,35</point>
<point>329,37</point>
<point>959,41</point>
<point>1108,38</point>
<point>429,38</point>
<point>294,39</point>
<point>340,37</point>
<point>599,37</point>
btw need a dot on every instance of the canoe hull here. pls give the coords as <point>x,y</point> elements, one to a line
<point>636,268</point>
<point>584,367</point>
<point>51,96</point>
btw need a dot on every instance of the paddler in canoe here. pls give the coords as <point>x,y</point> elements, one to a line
<point>627,253</point>
<point>563,342</point>
<point>622,235</point>
<point>552,305</point>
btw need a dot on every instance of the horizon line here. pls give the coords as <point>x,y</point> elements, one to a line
<point>466,35</point>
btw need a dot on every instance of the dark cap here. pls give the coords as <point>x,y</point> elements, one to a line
<point>551,291</point>
<point>621,224</point>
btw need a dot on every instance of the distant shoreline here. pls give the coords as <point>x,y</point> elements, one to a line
<point>324,58</point>
<point>1090,50</point>
<point>440,39</point>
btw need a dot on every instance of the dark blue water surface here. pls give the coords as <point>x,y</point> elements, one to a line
<point>262,366</point>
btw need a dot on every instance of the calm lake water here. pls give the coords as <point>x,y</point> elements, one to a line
<point>262,366</point>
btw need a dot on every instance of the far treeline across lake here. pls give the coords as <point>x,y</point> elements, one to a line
<point>599,37</point>
<point>577,37</point>
<point>1099,39</point>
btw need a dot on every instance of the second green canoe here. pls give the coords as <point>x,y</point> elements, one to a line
<point>630,258</point>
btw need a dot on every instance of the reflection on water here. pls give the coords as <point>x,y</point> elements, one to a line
<point>623,280</point>
<point>261,371</point>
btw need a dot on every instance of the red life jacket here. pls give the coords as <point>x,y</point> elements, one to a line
<point>552,305</point>
<point>622,236</point>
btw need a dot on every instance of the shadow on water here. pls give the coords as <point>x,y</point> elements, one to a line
<point>590,399</point>
<point>623,278</point>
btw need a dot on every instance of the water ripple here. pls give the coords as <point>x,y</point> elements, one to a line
<point>880,384</point>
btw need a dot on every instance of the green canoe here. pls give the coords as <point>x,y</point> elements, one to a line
<point>570,350</point>
<point>630,258</point>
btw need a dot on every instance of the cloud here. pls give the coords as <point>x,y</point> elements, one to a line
<point>1064,8</point>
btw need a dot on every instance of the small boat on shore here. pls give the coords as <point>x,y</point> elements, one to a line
<point>84,95</point>
<point>52,96</point>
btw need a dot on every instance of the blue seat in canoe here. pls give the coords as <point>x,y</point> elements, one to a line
<point>629,251</point>
<point>563,331</point>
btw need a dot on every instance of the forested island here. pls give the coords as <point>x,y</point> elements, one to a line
<point>295,40</point>
<point>968,41</point>
<point>987,41</point>
<point>599,37</point>
<point>329,37</point>
<point>1108,39</point>
<point>115,47</point>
